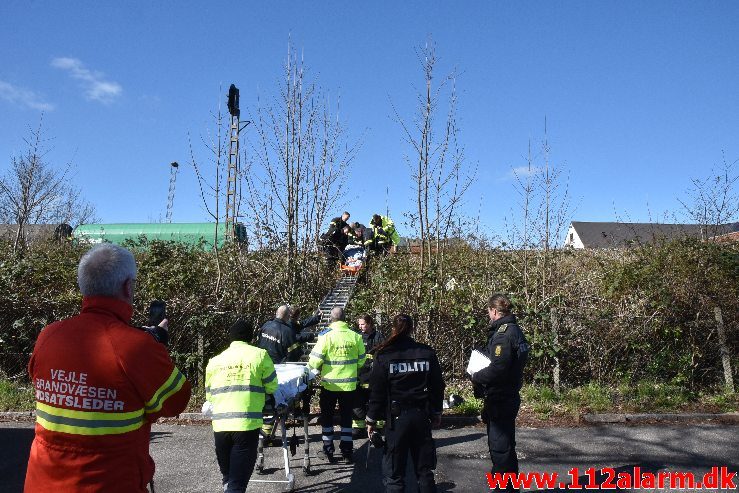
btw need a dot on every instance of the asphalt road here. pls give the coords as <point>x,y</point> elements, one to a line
<point>186,461</point>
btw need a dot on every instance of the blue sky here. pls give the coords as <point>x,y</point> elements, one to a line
<point>639,96</point>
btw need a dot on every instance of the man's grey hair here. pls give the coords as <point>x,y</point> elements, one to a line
<point>337,314</point>
<point>103,270</point>
<point>283,313</point>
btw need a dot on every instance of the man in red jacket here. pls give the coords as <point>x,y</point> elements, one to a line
<point>99,384</point>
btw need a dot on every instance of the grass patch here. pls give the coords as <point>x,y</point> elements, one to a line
<point>471,406</point>
<point>641,397</point>
<point>720,402</point>
<point>591,398</point>
<point>15,396</point>
<point>653,397</point>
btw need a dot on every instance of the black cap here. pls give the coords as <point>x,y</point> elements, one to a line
<point>241,330</point>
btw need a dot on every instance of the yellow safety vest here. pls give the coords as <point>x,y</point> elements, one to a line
<point>378,235</point>
<point>236,382</point>
<point>339,353</point>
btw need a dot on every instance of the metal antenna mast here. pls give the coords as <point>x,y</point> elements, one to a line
<point>233,161</point>
<point>170,197</point>
<point>387,203</point>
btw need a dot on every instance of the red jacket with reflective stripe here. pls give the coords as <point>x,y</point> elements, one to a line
<point>99,384</point>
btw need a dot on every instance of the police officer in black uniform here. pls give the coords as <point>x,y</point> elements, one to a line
<point>407,390</point>
<point>500,382</point>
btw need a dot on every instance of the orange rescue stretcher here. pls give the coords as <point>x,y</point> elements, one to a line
<point>354,258</point>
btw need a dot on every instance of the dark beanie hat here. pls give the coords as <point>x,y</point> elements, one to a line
<point>241,330</point>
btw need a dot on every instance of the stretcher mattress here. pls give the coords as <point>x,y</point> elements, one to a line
<point>292,379</point>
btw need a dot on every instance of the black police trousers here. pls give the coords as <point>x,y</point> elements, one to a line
<point>236,452</point>
<point>359,413</point>
<point>327,401</point>
<point>500,416</point>
<point>409,432</point>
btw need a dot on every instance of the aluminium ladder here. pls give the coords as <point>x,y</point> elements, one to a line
<point>338,296</point>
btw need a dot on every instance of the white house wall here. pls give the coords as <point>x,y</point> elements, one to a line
<point>573,239</point>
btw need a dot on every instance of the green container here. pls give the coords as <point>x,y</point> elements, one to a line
<point>189,233</point>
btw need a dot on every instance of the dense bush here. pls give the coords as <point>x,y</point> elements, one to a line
<point>609,317</point>
<point>204,294</point>
<point>605,317</point>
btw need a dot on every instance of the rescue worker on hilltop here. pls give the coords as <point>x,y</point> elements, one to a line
<point>371,337</point>
<point>358,234</point>
<point>100,383</point>
<point>375,237</point>
<point>335,239</point>
<point>339,353</point>
<point>500,382</point>
<point>406,389</point>
<point>236,383</point>
<point>354,236</point>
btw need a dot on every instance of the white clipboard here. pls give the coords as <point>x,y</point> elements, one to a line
<point>478,361</point>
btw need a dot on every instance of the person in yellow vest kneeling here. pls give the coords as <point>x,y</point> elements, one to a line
<point>236,382</point>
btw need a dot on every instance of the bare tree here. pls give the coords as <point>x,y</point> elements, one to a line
<point>543,215</point>
<point>544,200</point>
<point>33,191</point>
<point>438,168</point>
<point>297,164</point>
<point>713,201</point>
<point>211,174</point>
<point>210,171</point>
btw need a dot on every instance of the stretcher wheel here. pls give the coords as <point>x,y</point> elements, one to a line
<point>290,482</point>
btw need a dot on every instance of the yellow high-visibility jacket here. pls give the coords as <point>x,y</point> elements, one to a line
<point>339,354</point>
<point>236,382</point>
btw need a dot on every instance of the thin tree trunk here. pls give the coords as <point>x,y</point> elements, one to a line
<point>201,359</point>
<point>555,329</point>
<point>18,236</point>
<point>724,350</point>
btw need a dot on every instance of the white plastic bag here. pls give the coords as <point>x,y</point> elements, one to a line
<point>207,409</point>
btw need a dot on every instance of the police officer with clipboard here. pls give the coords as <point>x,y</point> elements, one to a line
<point>406,390</point>
<point>500,382</point>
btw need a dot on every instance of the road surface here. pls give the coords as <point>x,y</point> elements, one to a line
<point>186,461</point>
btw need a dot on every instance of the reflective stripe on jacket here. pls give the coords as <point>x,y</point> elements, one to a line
<point>99,384</point>
<point>339,353</point>
<point>375,237</point>
<point>236,382</point>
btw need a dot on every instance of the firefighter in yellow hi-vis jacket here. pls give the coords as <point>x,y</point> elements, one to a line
<point>236,382</point>
<point>339,353</point>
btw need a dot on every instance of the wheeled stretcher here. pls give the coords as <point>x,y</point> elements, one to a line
<point>292,398</point>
